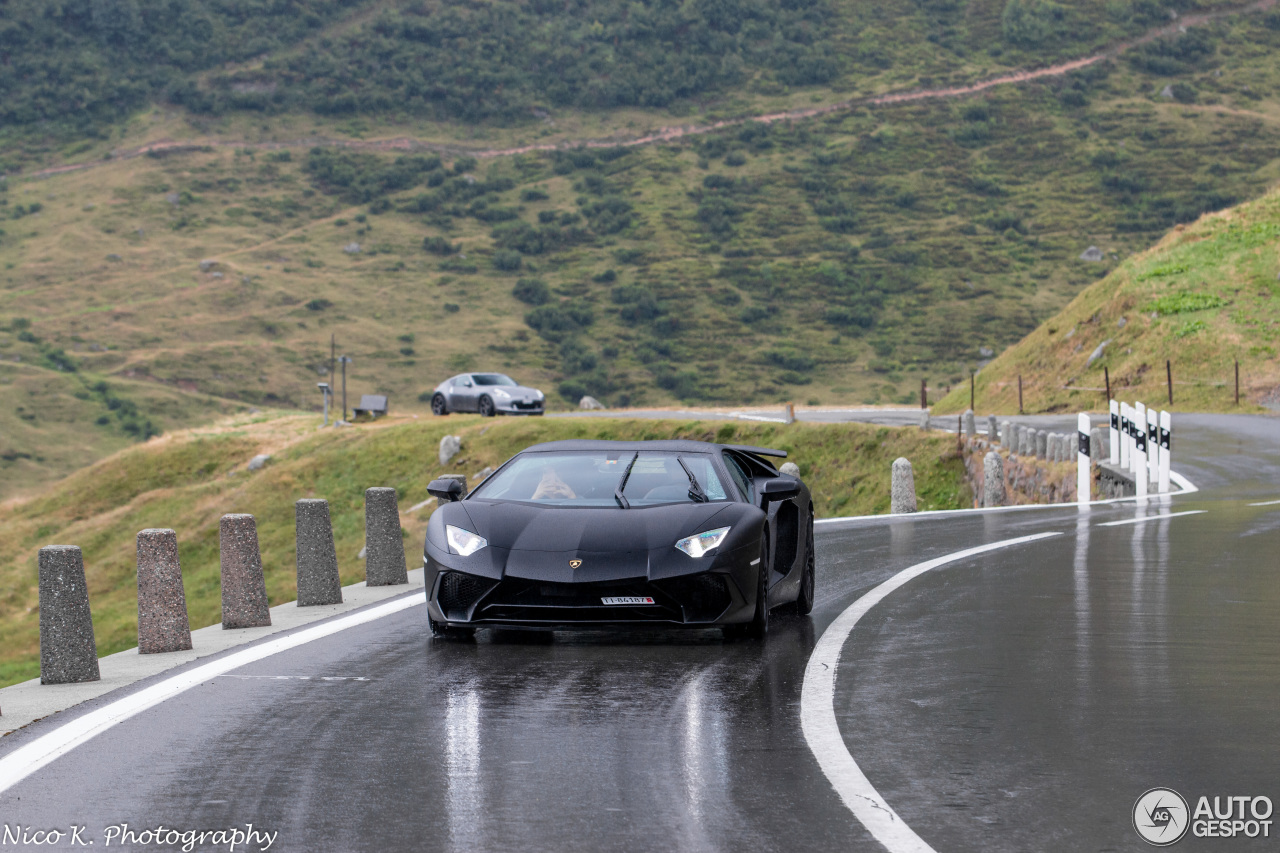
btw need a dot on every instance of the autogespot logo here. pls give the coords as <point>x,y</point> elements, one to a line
<point>1160,816</point>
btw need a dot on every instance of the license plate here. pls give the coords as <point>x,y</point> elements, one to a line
<point>627,599</point>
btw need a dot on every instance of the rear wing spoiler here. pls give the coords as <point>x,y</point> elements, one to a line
<point>757,451</point>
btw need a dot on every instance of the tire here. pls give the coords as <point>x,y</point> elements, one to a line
<point>486,407</point>
<point>438,406</point>
<point>804,601</point>
<point>758,627</point>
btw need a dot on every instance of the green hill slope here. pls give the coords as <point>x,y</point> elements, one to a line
<point>836,258</point>
<point>187,481</point>
<point>1205,297</point>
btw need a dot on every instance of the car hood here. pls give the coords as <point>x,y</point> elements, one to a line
<point>543,543</point>
<point>520,392</point>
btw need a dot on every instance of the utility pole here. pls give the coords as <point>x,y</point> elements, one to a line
<point>345,359</point>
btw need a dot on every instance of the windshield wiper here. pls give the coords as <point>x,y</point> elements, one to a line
<point>696,492</point>
<point>617,493</point>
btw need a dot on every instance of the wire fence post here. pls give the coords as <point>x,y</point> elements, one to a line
<point>970,389</point>
<point>1019,393</point>
<point>924,400</point>
<point>1106,375</point>
<point>1237,381</point>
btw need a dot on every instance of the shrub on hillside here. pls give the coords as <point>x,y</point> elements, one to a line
<point>531,291</point>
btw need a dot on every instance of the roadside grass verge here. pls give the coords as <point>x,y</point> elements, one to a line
<point>187,481</point>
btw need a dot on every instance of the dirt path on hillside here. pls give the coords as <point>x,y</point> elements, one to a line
<point>674,132</point>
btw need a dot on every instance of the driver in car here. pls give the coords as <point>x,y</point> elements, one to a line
<point>551,487</point>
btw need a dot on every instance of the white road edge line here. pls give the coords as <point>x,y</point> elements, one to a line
<point>1147,518</point>
<point>29,758</point>
<point>1266,503</point>
<point>818,713</point>
<point>1185,487</point>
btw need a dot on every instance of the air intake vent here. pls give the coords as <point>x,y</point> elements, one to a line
<point>459,592</point>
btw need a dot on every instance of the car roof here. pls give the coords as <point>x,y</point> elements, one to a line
<point>678,446</point>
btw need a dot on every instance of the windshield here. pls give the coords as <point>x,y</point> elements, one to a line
<point>492,379</point>
<point>590,478</point>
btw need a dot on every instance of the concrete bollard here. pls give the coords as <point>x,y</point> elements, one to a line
<point>384,545</point>
<point>970,429</point>
<point>992,480</point>
<point>1098,449</point>
<point>450,446</point>
<point>1052,449</point>
<point>68,653</point>
<point>992,428</point>
<point>461,478</point>
<point>902,493</point>
<point>1042,444</point>
<point>924,419</point>
<point>318,581</point>
<point>162,601</point>
<point>244,588</point>
<point>1006,435</point>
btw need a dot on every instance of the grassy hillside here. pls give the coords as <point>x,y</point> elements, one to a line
<point>1205,296</point>
<point>188,480</point>
<point>839,258</point>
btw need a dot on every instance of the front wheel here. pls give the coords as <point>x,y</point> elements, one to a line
<point>758,627</point>
<point>486,407</point>
<point>438,405</point>
<point>804,601</point>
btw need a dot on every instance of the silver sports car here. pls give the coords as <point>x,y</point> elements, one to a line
<point>487,393</point>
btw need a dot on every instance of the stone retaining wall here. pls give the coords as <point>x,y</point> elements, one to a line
<point>1027,480</point>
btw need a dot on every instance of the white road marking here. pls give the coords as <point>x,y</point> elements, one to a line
<point>1266,503</point>
<point>1185,486</point>
<point>301,677</point>
<point>818,713</point>
<point>1152,518</point>
<point>29,758</point>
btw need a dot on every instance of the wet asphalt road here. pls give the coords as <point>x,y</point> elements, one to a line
<point>1021,700</point>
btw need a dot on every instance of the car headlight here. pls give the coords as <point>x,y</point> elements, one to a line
<point>464,542</point>
<point>498,392</point>
<point>538,394</point>
<point>701,543</point>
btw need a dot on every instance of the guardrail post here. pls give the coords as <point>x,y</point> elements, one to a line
<point>1113,435</point>
<point>162,601</point>
<point>1166,446</point>
<point>244,588</point>
<point>68,653</point>
<point>902,491</point>
<point>992,480</point>
<point>1140,449</point>
<point>1084,452</point>
<point>384,544</point>
<point>318,580</point>
<point>1153,446</point>
<point>1126,436</point>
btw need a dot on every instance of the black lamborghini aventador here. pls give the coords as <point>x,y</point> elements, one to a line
<point>619,533</point>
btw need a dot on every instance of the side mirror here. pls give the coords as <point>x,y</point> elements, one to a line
<point>780,489</point>
<point>445,489</point>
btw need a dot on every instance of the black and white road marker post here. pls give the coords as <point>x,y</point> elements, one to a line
<point>1166,427</point>
<point>1139,450</point>
<point>1153,447</point>
<point>1114,434</point>
<point>1084,479</point>
<point>1126,436</point>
